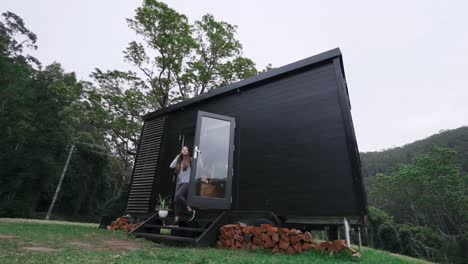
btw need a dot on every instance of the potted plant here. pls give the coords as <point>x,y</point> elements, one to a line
<point>162,206</point>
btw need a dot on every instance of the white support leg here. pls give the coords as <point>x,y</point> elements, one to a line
<point>346,226</point>
<point>359,237</point>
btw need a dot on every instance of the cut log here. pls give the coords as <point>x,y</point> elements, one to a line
<point>307,246</point>
<point>295,239</point>
<point>228,242</point>
<point>256,241</point>
<point>339,244</point>
<point>238,244</point>
<point>275,238</point>
<point>276,249</point>
<point>294,232</point>
<point>247,229</point>
<point>230,226</point>
<point>298,248</point>
<point>263,228</point>
<point>291,251</point>
<point>238,237</point>
<point>255,232</point>
<point>261,244</point>
<point>308,237</point>
<point>272,229</point>
<point>268,243</point>
<point>283,245</point>
<point>284,237</point>
<point>264,237</point>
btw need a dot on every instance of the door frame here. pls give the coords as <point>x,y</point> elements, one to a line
<point>209,202</point>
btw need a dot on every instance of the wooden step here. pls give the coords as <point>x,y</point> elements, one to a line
<point>172,220</point>
<point>165,237</point>
<point>181,228</point>
<point>163,218</point>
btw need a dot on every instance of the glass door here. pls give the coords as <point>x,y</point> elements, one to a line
<point>211,176</point>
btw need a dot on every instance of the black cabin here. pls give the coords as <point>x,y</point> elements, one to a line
<point>281,144</point>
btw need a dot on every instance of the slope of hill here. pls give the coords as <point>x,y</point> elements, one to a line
<point>47,242</point>
<point>384,161</point>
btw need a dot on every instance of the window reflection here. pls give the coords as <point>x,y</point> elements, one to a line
<point>212,161</point>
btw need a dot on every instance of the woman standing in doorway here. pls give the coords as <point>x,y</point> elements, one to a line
<point>182,166</point>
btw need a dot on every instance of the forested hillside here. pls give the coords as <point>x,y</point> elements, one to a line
<point>418,197</point>
<point>385,161</point>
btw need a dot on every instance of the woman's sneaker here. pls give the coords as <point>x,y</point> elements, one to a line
<point>192,215</point>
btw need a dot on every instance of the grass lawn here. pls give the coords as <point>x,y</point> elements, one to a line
<point>24,241</point>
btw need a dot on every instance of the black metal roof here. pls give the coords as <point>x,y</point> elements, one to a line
<point>334,53</point>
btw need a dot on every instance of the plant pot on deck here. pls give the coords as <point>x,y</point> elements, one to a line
<point>163,213</point>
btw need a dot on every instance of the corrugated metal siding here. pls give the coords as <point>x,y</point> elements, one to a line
<point>146,163</point>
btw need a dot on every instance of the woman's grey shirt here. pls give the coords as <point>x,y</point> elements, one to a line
<point>184,175</point>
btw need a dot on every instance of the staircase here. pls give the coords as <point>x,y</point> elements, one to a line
<point>202,232</point>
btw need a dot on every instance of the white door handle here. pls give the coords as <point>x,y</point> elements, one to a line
<point>196,152</point>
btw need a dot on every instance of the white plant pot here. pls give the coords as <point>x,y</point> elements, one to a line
<point>163,213</point>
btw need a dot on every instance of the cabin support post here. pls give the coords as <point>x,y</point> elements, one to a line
<point>346,227</point>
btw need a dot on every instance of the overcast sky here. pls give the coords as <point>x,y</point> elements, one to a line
<point>406,62</point>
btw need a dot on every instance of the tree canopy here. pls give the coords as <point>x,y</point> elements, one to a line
<point>44,109</point>
<point>173,60</point>
<point>428,199</point>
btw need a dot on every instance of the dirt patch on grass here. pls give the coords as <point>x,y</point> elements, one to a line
<point>82,245</point>
<point>6,237</point>
<point>108,245</point>
<point>41,249</point>
<point>122,244</point>
<point>39,221</point>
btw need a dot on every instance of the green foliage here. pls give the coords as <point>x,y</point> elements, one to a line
<point>42,111</point>
<point>173,60</point>
<point>45,110</point>
<point>421,241</point>
<point>163,203</point>
<point>432,191</point>
<point>428,199</point>
<point>117,104</point>
<point>380,220</point>
<point>417,241</point>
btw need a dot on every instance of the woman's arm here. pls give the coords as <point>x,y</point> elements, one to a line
<point>174,162</point>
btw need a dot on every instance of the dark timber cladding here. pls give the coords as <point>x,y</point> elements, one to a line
<point>295,150</point>
<point>145,166</point>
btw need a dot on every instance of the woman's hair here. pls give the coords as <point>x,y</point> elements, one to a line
<point>183,161</point>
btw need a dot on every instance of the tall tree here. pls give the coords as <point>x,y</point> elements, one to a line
<point>173,61</point>
<point>42,110</point>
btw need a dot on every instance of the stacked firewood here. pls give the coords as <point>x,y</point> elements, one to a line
<point>122,223</point>
<point>290,241</point>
